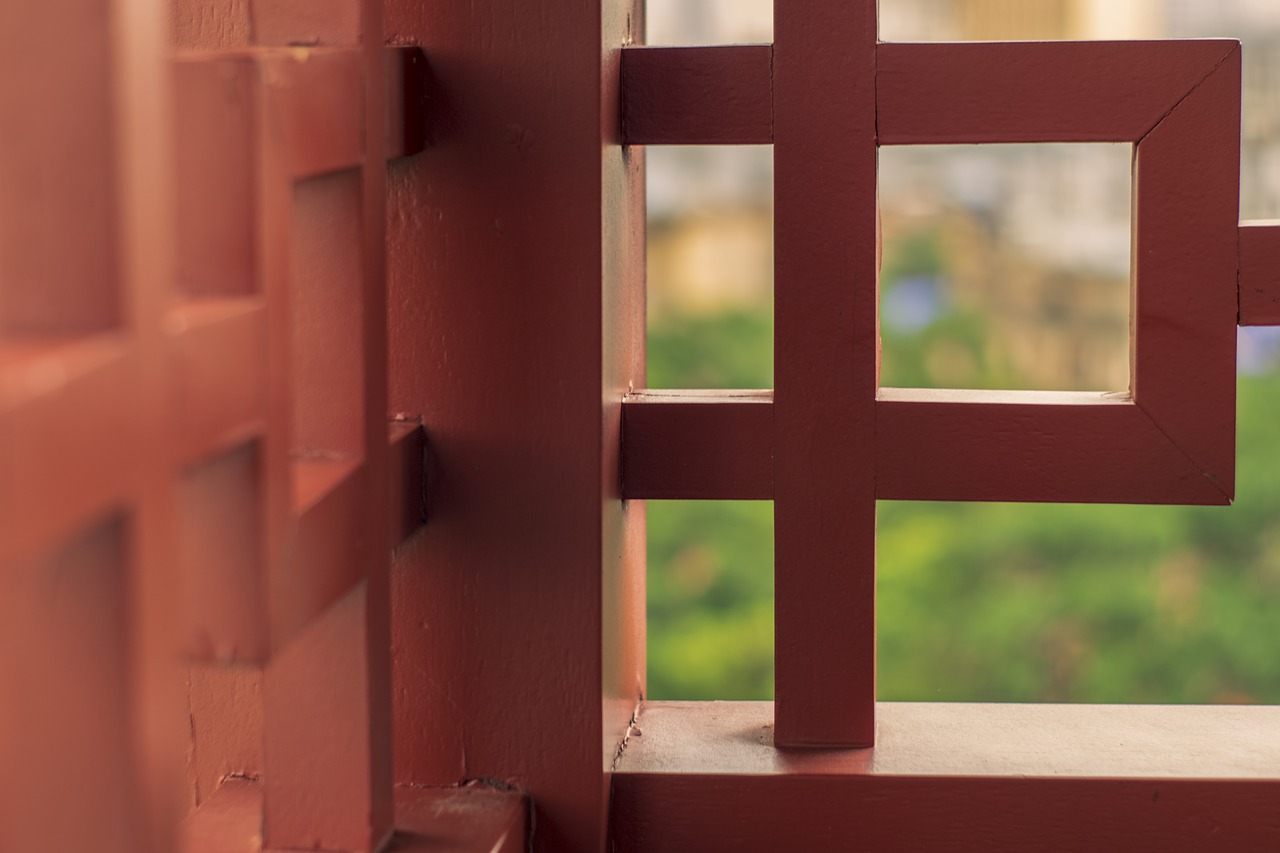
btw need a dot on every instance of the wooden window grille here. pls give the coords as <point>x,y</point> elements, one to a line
<point>230,301</point>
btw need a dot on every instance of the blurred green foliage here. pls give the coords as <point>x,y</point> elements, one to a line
<point>982,602</point>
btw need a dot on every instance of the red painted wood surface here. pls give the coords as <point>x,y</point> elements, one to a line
<point>1173,440</point>
<point>518,612</point>
<point>1260,274</point>
<point>88,465</point>
<point>932,445</point>
<point>682,812</point>
<point>697,95</point>
<point>826,356</point>
<point>948,94</point>
<point>954,777</point>
<point>428,820</point>
<point>163,450</point>
<point>691,445</point>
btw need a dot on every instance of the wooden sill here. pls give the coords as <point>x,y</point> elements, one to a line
<point>974,740</point>
<point>981,778</point>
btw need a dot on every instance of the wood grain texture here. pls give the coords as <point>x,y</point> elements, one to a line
<point>697,95</point>
<point>1260,274</point>
<point>949,94</point>
<point>826,356</point>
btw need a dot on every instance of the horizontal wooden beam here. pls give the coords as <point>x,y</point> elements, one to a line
<point>949,94</point>
<point>229,617</point>
<point>927,93</point>
<point>1260,274</point>
<point>1040,447</point>
<point>697,95</point>
<point>931,445</point>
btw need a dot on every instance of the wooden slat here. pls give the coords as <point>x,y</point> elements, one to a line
<point>322,213</point>
<point>826,355</point>
<point>697,445</point>
<point>315,101</point>
<point>216,115</point>
<point>317,731</point>
<point>324,561</point>
<point>948,94</point>
<point>1260,274</point>
<point>932,445</point>
<point>1085,448</point>
<point>218,348</point>
<point>697,95</point>
<point>1186,261</point>
<point>315,107</point>
<point>76,423</point>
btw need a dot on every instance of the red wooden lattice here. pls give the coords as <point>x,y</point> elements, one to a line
<point>198,298</point>
<point>835,441</point>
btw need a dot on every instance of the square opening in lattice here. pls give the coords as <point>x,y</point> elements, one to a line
<point>707,22</point>
<point>1006,266</point>
<point>710,600</point>
<point>710,267</point>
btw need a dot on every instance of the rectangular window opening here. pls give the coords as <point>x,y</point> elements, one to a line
<point>710,267</point>
<point>1006,267</point>
<point>710,600</point>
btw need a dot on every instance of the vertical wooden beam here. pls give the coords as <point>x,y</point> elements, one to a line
<point>326,690</point>
<point>826,356</point>
<point>516,327</point>
<point>377,496</point>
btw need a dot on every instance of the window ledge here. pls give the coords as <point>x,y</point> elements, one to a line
<point>972,740</point>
